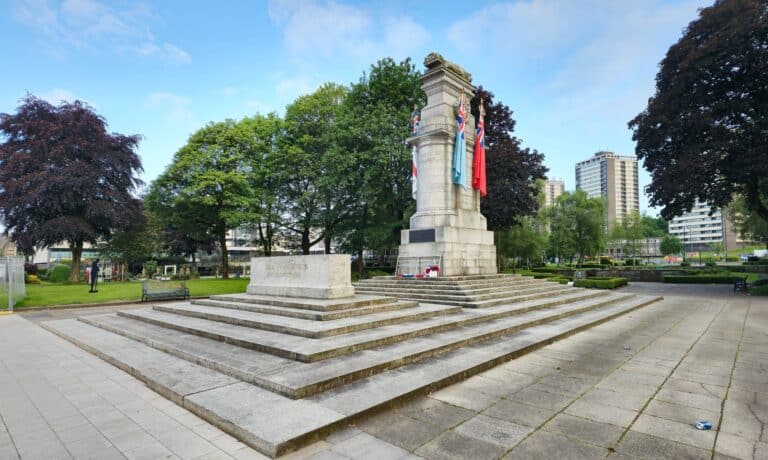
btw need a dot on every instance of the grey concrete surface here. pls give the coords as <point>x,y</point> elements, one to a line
<point>630,388</point>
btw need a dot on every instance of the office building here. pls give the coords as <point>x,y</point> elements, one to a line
<point>614,178</point>
<point>552,190</point>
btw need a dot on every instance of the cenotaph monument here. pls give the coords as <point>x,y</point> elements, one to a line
<point>447,227</point>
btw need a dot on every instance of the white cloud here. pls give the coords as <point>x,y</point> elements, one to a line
<point>83,24</point>
<point>323,30</point>
<point>175,107</point>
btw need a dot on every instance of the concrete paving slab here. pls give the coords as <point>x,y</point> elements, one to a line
<point>585,430</point>
<point>364,445</point>
<point>545,445</point>
<point>685,433</point>
<point>455,446</point>
<point>400,430</point>
<point>433,411</point>
<point>639,445</point>
<point>519,413</point>
<point>602,413</point>
<point>495,431</point>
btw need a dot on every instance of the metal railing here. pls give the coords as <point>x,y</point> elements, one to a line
<point>414,266</point>
<point>12,288</point>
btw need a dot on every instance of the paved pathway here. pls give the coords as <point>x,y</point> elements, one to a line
<point>630,388</point>
<point>59,402</point>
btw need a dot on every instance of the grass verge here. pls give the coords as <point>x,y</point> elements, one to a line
<point>51,295</point>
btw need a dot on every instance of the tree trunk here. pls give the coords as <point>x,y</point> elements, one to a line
<point>305,242</point>
<point>224,253</point>
<point>327,242</point>
<point>77,253</point>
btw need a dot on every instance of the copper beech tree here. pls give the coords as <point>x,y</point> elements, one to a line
<point>64,178</point>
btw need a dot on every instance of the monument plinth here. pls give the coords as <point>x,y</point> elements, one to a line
<point>325,276</point>
<point>447,223</point>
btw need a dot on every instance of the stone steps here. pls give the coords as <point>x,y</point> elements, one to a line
<point>304,327</point>
<point>308,314</point>
<point>392,287</point>
<point>501,298</point>
<point>307,304</point>
<point>462,296</point>
<point>275,424</point>
<point>298,380</point>
<point>301,349</point>
<point>453,278</point>
<point>447,285</point>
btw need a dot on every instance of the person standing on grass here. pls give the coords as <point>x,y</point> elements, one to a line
<point>94,275</point>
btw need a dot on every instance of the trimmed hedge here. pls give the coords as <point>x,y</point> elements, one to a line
<point>761,282</point>
<point>702,279</point>
<point>58,273</point>
<point>601,283</point>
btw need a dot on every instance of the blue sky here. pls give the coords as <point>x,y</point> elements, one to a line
<point>574,72</point>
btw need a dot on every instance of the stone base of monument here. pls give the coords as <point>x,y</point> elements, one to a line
<point>462,251</point>
<point>277,372</point>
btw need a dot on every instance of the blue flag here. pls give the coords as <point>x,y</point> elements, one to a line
<point>459,169</point>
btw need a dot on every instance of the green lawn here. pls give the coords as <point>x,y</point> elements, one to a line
<point>44,295</point>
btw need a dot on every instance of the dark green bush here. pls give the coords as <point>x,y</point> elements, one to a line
<point>761,282</point>
<point>606,261</point>
<point>701,279</point>
<point>685,263</point>
<point>58,273</point>
<point>601,283</point>
<point>710,263</point>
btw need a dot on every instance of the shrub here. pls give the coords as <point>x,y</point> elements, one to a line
<point>558,279</point>
<point>685,263</point>
<point>606,261</point>
<point>31,279</point>
<point>701,279</point>
<point>42,273</point>
<point>601,283</point>
<point>710,263</point>
<point>58,273</point>
<point>30,269</point>
<point>761,282</point>
<point>590,265</point>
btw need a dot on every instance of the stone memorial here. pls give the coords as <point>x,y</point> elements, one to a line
<point>447,226</point>
<point>322,276</point>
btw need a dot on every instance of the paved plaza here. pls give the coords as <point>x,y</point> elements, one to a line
<point>630,388</point>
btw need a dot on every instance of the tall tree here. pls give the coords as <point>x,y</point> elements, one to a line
<point>314,171</point>
<point>703,134</point>
<point>578,224</point>
<point>748,224</point>
<point>135,245</point>
<point>671,244</point>
<point>63,177</point>
<point>654,227</point>
<point>629,233</point>
<point>207,190</point>
<point>376,119</point>
<point>511,170</point>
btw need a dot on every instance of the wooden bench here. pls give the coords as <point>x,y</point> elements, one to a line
<point>740,285</point>
<point>153,290</point>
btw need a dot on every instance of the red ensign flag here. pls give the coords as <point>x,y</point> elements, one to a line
<point>478,165</point>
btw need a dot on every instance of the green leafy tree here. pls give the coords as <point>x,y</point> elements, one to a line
<point>135,245</point>
<point>64,178</point>
<point>524,242</point>
<point>630,232</point>
<point>749,224</point>
<point>208,188</point>
<point>377,118</point>
<point>577,225</point>
<point>654,227</point>
<point>265,163</point>
<point>670,245</point>
<point>703,134</point>
<point>315,173</point>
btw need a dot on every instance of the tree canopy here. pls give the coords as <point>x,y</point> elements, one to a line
<point>207,190</point>
<point>65,178</point>
<point>511,170</point>
<point>577,225</point>
<point>671,244</point>
<point>704,133</point>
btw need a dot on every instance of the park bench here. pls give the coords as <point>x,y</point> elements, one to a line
<point>153,290</point>
<point>740,284</point>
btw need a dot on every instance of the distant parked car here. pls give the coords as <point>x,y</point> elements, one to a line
<point>744,257</point>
